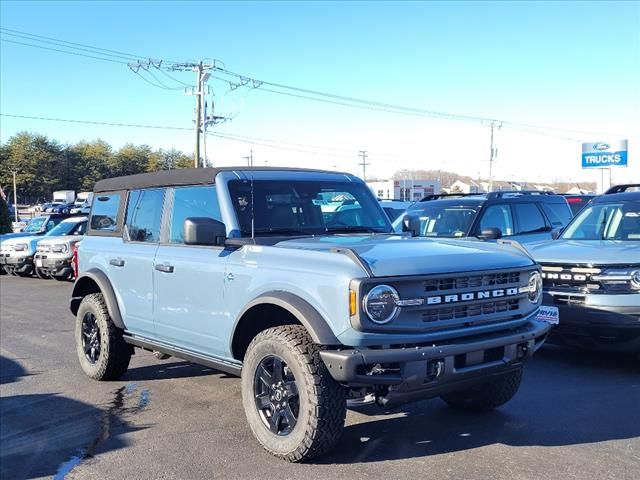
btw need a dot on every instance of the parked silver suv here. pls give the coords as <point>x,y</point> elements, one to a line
<point>295,280</point>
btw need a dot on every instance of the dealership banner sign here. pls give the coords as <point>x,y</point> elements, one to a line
<point>604,154</point>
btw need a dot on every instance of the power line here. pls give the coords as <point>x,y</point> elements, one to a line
<point>125,54</point>
<point>62,51</point>
<point>393,108</point>
<point>93,122</point>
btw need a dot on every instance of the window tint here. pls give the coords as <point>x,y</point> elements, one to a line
<point>558,214</point>
<point>144,212</point>
<point>498,216</point>
<point>192,202</point>
<point>306,207</point>
<point>104,214</point>
<point>530,218</point>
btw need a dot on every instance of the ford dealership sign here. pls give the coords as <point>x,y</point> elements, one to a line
<point>603,155</point>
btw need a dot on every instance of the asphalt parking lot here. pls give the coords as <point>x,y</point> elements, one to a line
<point>577,415</point>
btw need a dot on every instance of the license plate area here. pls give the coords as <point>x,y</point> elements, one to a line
<point>549,314</point>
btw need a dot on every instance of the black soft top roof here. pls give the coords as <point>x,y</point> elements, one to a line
<point>177,177</point>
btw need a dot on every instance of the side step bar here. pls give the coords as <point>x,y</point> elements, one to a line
<point>233,368</point>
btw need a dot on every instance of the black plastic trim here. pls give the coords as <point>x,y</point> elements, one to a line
<point>100,279</point>
<point>233,368</point>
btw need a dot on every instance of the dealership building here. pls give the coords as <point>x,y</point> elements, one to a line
<point>406,189</point>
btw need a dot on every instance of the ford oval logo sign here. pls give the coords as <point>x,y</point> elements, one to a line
<point>600,146</point>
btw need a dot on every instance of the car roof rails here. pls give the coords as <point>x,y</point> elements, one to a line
<point>622,188</point>
<point>440,196</point>
<point>517,193</point>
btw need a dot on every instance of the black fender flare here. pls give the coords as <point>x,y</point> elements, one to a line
<point>104,284</point>
<point>302,310</point>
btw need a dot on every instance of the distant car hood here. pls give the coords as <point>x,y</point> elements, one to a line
<point>48,240</point>
<point>594,252</point>
<point>8,236</point>
<point>395,255</point>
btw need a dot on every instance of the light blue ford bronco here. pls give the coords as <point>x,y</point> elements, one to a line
<point>295,280</point>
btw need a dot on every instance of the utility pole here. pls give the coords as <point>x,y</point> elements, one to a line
<point>492,156</point>
<point>15,196</point>
<point>249,159</point>
<point>363,154</point>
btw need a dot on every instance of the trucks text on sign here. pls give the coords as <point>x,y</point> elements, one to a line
<point>604,154</point>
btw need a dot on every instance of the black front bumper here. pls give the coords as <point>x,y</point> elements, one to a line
<point>412,373</point>
<point>16,264</point>
<point>52,266</point>
<point>613,329</point>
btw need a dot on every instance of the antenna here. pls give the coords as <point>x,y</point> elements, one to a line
<point>253,223</point>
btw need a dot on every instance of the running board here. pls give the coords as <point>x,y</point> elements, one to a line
<point>226,366</point>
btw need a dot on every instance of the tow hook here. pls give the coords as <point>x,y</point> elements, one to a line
<point>435,369</point>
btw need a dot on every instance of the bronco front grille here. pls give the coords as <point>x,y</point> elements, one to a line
<point>457,283</point>
<point>437,303</point>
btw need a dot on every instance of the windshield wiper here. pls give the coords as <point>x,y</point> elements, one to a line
<point>278,230</point>
<point>536,230</point>
<point>352,229</point>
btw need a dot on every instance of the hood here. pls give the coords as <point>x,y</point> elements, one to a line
<point>8,236</point>
<point>395,255</point>
<point>59,239</point>
<point>591,252</point>
<point>23,239</point>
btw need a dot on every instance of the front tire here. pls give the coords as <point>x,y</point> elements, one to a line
<point>294,408</point>
<point>487,396</point>
<point>102,351</point>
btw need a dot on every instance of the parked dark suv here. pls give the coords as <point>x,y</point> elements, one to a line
<point>525,216</point>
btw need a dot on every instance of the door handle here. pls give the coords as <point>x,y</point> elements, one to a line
<point>164,268</point>
<point>116,262</point>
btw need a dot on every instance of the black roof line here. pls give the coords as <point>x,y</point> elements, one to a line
<point>183,176</point>
<point>501,193</point>
<point>621,188</point>
<point>440,196</point>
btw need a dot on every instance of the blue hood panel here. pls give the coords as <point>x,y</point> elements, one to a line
<point>593,252</point>
<point>394,255</point>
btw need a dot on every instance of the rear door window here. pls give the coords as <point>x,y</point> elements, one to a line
<point>530,218</point>
<point>144,213</point>
<point>104,213</point>
<point>498,216</point>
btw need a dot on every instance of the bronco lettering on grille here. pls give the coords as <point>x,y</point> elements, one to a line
<point>469,296</point>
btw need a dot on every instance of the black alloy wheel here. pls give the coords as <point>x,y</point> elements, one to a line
<point>276,395</point>
<point>90,337</point>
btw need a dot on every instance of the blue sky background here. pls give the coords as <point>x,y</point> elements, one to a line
<point>573,65</point>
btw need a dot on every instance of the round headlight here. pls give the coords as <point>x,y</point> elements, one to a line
<point>635,279</point>
<point>534,287</point>
<point>380,304</point>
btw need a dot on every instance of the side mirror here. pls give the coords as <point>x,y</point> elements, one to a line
<point>555,233</point>
<point>204,231</point>
<point>411,223</point>
<point>491,233</point>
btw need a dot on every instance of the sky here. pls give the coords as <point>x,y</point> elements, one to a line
<point>571,67</point>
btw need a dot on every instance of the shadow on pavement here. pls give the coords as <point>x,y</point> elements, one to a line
<point>166,370</point>
<point>554,407</point>
<point>49,434</point>
<point>11,371</point>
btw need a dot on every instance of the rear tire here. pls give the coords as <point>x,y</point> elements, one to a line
<point>102,351</point>
<point>487,396</point>
<point>310,418</point>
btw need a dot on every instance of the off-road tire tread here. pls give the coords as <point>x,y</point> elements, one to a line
<point>326,422</point>
<point>487,396</point>
<point>118,352</point>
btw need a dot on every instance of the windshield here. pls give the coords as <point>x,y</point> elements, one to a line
<point>441,221</point>
<point>608,221</point>
<point>65,228</point>
<point>306,207</point>
<point>35,225</point>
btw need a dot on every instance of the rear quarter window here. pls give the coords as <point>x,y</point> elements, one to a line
<point>104,213</point>
<point>559,214</point>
